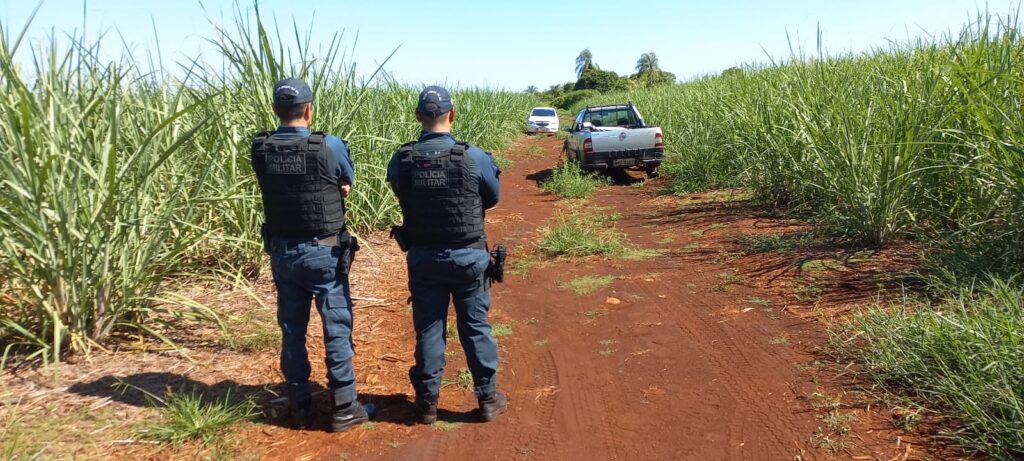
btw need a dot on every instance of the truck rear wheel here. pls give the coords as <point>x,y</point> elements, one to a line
<point>652,171</point>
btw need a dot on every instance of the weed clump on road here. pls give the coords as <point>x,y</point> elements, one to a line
<point>522,264</point>
<point>501,330</point>
<point>588,284</point>
<point>579,234</point>
<point>534,150</point>
<point>463,379</point>
<point>189,416</point>
<point>569,181</point>
<point>576,234</point>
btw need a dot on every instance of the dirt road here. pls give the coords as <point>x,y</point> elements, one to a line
<point>704,350</point>
<point>674,370</point>
<point>680,357</point>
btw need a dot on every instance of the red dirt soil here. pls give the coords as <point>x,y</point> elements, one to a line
<point>699,353</point>
<point>671,361</point>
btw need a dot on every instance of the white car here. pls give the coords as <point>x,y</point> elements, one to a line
<point>542,120</point>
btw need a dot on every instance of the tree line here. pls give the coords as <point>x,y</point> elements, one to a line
<point>591,80</point>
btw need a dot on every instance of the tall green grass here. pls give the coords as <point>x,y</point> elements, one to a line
<point>115,178</point>
<point>920,139</point>
<point>92,214</point>
<point>962,357</point>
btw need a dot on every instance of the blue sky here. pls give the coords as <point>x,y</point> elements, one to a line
<point>516,44</point>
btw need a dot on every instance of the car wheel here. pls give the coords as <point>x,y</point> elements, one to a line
<point>652,172</point>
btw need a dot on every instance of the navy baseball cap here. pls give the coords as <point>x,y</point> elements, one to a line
<point>435,101</point>
<point>292,91</point>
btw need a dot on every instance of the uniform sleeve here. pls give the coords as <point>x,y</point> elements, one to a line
<point>392,175</point>
<point>345,171</point>
<point>490,188</point>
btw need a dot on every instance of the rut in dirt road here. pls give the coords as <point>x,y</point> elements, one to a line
<point>670,369</point>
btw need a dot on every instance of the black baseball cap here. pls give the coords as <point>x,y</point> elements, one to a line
<point>291,92</point>
<point>435,101</point>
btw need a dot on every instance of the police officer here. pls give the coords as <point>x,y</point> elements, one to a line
<point>444,186</point>
<point>304,178</point>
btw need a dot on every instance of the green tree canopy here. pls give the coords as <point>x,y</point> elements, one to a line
<point>732,71</point>
<point>584,62</point>
<point>649,73</point>
<point>652,79</point>
<point>600,80</point>
<point>647,64</point>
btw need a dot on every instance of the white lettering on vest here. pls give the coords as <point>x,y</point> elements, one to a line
<point>430,179</point>
<point>293,163</point>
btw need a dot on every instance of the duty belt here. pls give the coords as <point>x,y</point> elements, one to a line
<point>478,244</point>
<point>331,241</point>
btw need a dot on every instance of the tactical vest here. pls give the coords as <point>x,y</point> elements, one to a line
<point>301,198</point>
<point>440,197</point>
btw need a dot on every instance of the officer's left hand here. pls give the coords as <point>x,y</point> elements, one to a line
<point>345,189</point>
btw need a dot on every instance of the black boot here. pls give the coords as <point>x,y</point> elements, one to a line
<point>426,411</point>
<point>492,405</point>
<point>302,416</point>
<point>348,416</point>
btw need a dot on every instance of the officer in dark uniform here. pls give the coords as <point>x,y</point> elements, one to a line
<point>304,178</point>
<point>443,187</point>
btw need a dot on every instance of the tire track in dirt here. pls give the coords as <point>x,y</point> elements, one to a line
<point>729,361</point>
<point>584,411</point>
<point>542,393</point>
<point>753,374</point>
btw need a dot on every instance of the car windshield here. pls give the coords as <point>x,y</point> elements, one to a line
<point>543,113</point>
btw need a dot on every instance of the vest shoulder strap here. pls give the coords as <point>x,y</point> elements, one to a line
<point>316,137</point>
<point>315,142</point>
<point>260,138</point>
<point>406,150</point>
<point>459,149</point>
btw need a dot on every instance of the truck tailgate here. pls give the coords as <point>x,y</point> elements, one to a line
<point>623,140</point>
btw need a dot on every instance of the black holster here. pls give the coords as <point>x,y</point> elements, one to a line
<point>349,245</point>
<point>496,268</point>
<point>265,235</point>
<point>398,233</point>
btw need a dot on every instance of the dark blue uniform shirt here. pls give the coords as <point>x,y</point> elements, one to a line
<point>339,160</point>
<point>486,170</point>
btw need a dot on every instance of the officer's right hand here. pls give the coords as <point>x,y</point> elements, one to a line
<point>345,189</point>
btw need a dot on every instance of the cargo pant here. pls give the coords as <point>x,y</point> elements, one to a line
<point>304,272</point>
<point>438,276</point>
